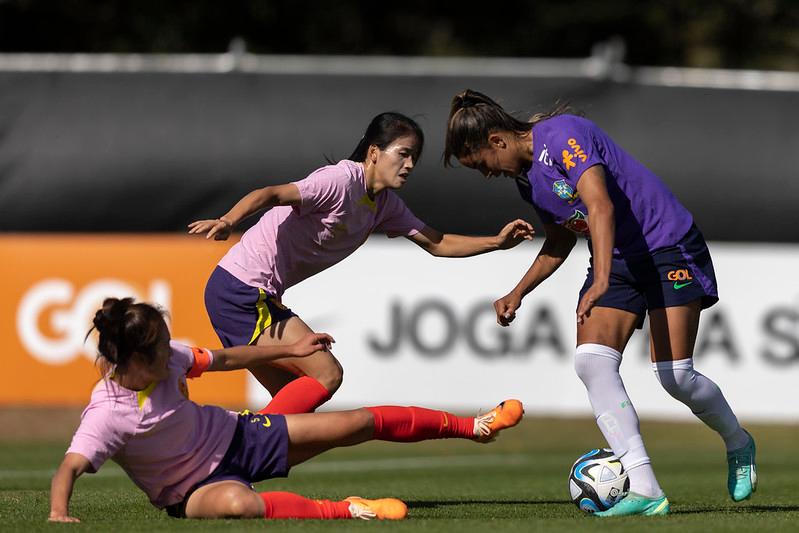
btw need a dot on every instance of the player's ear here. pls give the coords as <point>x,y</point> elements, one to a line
<point>371,154</point>
<point>497,140</point>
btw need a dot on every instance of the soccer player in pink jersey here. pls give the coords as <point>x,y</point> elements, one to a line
<point>199,461</point>
<point>311,225</point>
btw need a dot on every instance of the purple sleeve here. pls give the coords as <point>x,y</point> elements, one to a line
<point>396,220</point>
<point>321,190</point>
<point>99,435</point>
<point>574,147</point>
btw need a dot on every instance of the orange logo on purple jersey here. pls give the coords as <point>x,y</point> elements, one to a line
<point>576,152</point>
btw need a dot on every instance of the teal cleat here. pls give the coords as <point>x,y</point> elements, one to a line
<point>742,472</point>
<point>636,504</point>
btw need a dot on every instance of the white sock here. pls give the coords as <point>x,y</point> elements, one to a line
<point>703,397</point>
<point>598,367</point>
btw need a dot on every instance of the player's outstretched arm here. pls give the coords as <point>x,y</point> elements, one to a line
<point>259,199</point>
<point>237,357</point>
<point>557,246</point>
<point>73,465</point>
<point>452,245</point>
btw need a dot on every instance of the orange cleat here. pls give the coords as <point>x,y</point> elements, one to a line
<point>505,415</point>
<point>382,509</point>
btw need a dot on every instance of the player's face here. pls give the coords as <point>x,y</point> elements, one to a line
<point>394,164</point>
<point>496,159</point>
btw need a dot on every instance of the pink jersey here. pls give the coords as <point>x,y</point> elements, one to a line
<point>165,442</point>
<point>290,244</point>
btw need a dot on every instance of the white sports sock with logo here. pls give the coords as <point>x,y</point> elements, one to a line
<point>703,397</point>
<point>598,368</point>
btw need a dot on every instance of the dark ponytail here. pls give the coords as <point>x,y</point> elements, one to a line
<point>383,130</point>
<point>126,328</point>
<point>473,116</point>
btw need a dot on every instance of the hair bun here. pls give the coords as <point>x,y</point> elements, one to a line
<point>111,314</point>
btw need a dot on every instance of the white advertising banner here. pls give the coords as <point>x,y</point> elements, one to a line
<point>415,329</point>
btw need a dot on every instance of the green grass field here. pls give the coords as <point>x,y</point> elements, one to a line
<point>515,484</point>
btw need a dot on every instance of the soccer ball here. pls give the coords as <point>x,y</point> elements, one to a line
<point>597,481</point>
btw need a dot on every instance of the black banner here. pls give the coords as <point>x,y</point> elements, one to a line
<point>140,152</point>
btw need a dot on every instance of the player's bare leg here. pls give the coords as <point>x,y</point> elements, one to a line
<point>233,499</point>
<point>297,384</point>
<point>224,499</point>
<point>313,433</point>
<point>673,335</point>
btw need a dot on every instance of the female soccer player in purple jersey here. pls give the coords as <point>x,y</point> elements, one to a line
<point>198,461</point>
<point>311,225</point>
<point>647,255</point>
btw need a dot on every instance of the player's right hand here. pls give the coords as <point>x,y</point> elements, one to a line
<point>506,308</point>
<point>218,228</point>
<point>312,343</point>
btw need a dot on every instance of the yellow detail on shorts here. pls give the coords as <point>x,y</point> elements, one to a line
<point>267,422</point>
<point>264,316</point>
<point>245,412</point>
<point>144,394</point>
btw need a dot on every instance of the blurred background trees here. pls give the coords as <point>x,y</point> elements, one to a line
<point>760,34</point>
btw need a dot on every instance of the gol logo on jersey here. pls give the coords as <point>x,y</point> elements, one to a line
<point>575,153</point>
<point>565,191</point>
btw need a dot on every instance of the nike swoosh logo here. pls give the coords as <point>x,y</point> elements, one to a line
<point>678,286</point>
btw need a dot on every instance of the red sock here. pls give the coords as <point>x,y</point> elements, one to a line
<point>288,505</point>
<point>412,424</point>
<point>302,395</point>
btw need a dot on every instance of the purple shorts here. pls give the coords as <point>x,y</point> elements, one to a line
<point>667,277</point>
<point>240,313</point>
<point>258,451</point>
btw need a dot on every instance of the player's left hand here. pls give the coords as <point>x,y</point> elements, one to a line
<point>515,232</point>
<point>589,299</point>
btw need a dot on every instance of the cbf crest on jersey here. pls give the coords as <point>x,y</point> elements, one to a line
<point>564,191</point>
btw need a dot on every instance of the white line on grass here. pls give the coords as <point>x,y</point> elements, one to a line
<point>349,465</point>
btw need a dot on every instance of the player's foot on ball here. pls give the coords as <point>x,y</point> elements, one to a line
<point>742,472</point>
<point>382,509</point>
<point>505,415</point>
<point>636,504</point>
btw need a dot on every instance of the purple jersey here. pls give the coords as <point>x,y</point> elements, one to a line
<point>647,214</point>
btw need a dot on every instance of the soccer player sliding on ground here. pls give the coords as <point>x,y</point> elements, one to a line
<point>646,255</point>
<point>311,225</point>
<point>198,461</point>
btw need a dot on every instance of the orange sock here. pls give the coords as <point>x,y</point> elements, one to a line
<point>303,395</point>
<point>412,424</point>
<point>289,505</point>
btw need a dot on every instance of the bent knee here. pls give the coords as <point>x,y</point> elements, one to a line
<point>330,375</point>
<point>239,503</point>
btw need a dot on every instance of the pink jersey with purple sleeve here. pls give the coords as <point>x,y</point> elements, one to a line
<point>165,442</point>
<point>335,217</point>
<point>647,215</point>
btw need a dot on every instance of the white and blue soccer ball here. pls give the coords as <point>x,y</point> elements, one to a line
<point>597,481</point>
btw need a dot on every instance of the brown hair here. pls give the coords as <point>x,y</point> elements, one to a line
<point>126,328</point>
<point>473,116</point>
